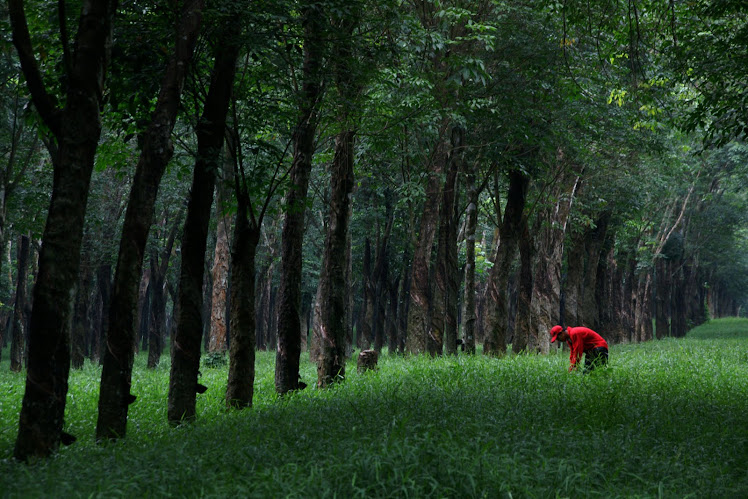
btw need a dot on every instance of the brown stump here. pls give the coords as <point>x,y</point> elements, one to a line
<point>367,359</point>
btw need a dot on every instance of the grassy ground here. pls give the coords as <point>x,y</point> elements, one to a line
<point>666,419</point>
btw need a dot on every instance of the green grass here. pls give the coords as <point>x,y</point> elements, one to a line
<point>667,419</point>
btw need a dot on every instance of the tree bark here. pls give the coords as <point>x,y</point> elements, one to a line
<point>240,387</point>
<point>419,311</point>
<point>104,281</point>
<point>525,334</point>
<point>392,317</point>
<point>330,329</point>
<point>19,312</point>
<point>379,279</point>
<point>81,320</point>
<point>210,137</point>
<point>220,271</point>
<point>77,129</point>
<point>546,302</point>
<point>157,315</point>
<point>497,313</point>
<point>594,248</point>
<point>363,336</point>
<point>289,295</point>
<point>662,287</point>
<point>642,313</point>
<point>451,263</point>
<point>220,274</point>
<point>157,319</point>
<point>469,312</point>
<point>115,396</point>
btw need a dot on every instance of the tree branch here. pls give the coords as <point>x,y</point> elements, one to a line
<point>22,40</point>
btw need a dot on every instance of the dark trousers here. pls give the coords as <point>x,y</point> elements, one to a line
<point>595,357</point>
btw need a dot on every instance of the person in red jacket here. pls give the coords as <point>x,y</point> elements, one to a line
<point>582,340</point>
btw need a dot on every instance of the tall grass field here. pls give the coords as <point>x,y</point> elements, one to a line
<point>667,418</point>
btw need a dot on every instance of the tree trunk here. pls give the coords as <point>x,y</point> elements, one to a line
<point>349,289</point>
<point>81,321</point>
<point>363,336</point>
<point>679,324</point>
<point>594,248</point>
<point>267,312</point>
<point>546,301</point>
<point>210,137</point>
<point>143,311</point>
<point>443,317</point>
<point>451,261</point>
<point>330,330</point>
<point>77,129</point>
<point>219,324</point>
<point>379,279</point>
<point>525,334</point>
<point>694,295</point>
<point>116,375</point>
<point>497,313</point>
<point>469,312</point>
<point>240,388</point>
<point>104,280</point>
<point>392,336</point>
<point>157,319</point>
<point>643,316</point>
<point>220,274</point>
<point>419,311</point>
<point>289,294</point>
<point>662,287</point>
<point>19,312</point>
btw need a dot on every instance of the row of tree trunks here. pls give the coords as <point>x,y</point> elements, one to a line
<point>116,377</point>
<point>159,264</point>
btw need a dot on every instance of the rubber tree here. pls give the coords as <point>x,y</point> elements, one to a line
<point>288,352</point>
<point>75,129</point>
<point>116,376</point>
<point>211,128</point>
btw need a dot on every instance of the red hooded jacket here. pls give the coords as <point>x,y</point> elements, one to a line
<point>582,339</point>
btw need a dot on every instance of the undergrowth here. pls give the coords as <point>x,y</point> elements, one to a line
<point>666,419</point>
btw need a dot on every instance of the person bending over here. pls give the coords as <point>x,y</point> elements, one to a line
<point>582,340</point>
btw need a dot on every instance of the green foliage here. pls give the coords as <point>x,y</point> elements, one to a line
<point>214,360</point>
<point>665,419</point>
